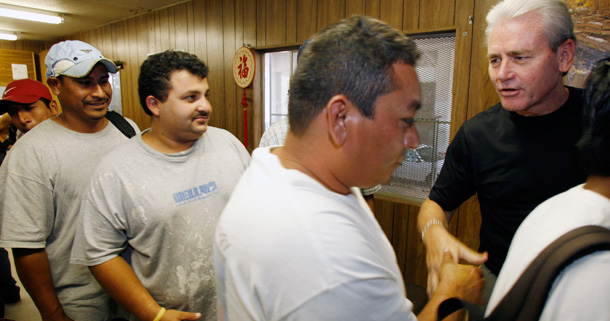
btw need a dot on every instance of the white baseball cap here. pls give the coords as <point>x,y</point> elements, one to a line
<point>75,59</point>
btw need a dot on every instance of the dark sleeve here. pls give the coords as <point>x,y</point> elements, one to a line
<point>455,183</point>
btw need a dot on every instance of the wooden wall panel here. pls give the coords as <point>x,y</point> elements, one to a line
<point>391,11</point>
<point>479,79</point>
<point>275,27</point>
<point>384,213</point>
<point>306,17</point>
<point>354,7</point>
<point>261,23</point>
<point>436,14</point>
<point>199,34</point>
<point>372,8</point>
<point>229,48</point>
<point>215,39</point>
<point>461,82</point>
<point>291,21</point>
<point>415,267</point>
<point>400,236</point>
<point>322,14</point>
<point>410,19</point>
<point>23,45</point>
<point>8,57</point>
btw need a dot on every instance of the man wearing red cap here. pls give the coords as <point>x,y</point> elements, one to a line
<point>43,178</point>
<point>28,103</point>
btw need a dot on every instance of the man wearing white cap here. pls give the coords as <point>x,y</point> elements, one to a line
<point>43,177</point>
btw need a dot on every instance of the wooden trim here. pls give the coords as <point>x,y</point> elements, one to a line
<point>403,199</point>
<point>285,46</point>
<point>428,32</point>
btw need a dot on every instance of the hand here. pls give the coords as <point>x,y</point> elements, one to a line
<point>175,315</point>
<point>462,281</point>
<point>437,240</point>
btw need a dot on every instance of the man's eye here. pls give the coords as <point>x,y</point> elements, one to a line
<point>408,123</point>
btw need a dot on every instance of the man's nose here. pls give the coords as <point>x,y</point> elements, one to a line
<point>505,70</point>
<point>411,138</point>
<point>24,117</point>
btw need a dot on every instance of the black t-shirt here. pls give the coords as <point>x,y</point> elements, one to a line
<point>513,163</point>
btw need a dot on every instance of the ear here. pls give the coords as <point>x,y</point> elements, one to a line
<point>153,105</point>
<point>54,83</point>
<point>53,107</point>
<point>336,116</point>
<point>565,52</point>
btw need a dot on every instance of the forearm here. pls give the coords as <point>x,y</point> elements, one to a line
<point>122,284</point>
<point>35,274</point>
<point>430,311</point>
<point>432,214</point>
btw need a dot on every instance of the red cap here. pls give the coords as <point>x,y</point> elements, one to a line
<point>24,91</point>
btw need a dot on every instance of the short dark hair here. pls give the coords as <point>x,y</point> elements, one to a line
<point>157,69</point>
<point>46,102</point>
<point>352,57</point>
<point>594,146</point>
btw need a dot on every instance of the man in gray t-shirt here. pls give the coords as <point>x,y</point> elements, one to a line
<point>161,194</point>
<point>42,180</point>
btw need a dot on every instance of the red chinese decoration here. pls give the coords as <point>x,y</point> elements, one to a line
<point>244,68</point>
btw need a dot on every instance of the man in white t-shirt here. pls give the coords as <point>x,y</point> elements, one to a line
<point>582,290</point>
<point>296,240</point>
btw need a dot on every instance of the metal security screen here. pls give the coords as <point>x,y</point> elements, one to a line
<point>418,172</point>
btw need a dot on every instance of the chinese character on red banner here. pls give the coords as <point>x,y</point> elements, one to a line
<point>243,67</point>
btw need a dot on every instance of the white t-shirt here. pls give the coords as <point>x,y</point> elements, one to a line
<point>287,248</point>
<point>582,290</point>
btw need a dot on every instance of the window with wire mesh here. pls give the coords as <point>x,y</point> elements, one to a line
<point>418,172</point>
<point>416,175</point>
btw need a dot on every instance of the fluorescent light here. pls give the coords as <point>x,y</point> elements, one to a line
<point>8,35</point>
<point>9,11</point>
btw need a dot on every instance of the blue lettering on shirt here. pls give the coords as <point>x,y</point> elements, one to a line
<point>196,193</point>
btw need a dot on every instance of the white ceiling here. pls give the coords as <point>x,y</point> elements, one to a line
<point>79,15</point>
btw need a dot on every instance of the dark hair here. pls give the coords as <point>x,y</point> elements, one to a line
<point>157,69</point>
<point>46,102</point>
<point>352,57</point>
<point>594,145</point>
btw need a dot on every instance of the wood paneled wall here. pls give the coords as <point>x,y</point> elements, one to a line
<point>25,45</point>
<point>214,29</point>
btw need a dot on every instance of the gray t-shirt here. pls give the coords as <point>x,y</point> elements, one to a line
<point>41,184</point>
<point>165,206</point>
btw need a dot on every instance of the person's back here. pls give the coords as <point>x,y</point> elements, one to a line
<point>581,291</point>
<point>44,177</point>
